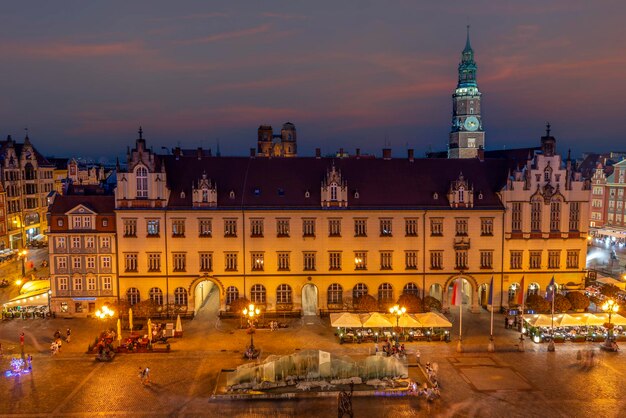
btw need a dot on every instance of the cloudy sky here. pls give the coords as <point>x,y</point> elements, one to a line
<point>83,75</point>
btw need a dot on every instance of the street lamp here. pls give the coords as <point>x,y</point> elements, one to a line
<point>398,312</point>
<point>250,313</point>
<point>22,254</point>
<point>611,307</point>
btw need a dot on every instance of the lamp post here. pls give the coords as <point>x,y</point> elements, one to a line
<point>398,312</point>
<point>250,313</point>
<point>49,308</point>
<point>611,307</point>
<point>22,255</point>
<point>105,313</point>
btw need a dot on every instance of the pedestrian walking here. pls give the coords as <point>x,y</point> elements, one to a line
<point>141,375</point>
<point>69,335</point>
<point>418,356</point>
<point>29,359</point>
<point>22,339</point>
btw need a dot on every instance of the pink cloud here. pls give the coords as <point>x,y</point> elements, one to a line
<point>226,35</point>
<point>60,49</point>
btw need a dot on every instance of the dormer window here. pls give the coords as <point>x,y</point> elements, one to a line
<point>142,182</point>
<point>232,194</point>
<point>333,192</point>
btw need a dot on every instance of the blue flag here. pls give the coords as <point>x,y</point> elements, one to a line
<point>491,292</point>
<point>550,291</point>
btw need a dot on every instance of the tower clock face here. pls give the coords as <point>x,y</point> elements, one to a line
<point>471,123</point>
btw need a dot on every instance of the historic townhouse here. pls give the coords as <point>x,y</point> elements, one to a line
<point>83,272</point>
<point>608,200</point>
<point>27,179</point>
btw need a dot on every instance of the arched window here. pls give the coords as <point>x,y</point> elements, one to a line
<point>333,191</point>
<point>461,194</point>
<point>533,289</point>
<point>411,289</point>
<point>335,293</point>
<point>555,215</point>
<point>205,195</point>
<point>142,181</point>
<point>385,293</point>
<point>513,292</point>
<point>359,290</point>
<point>29,172</point>
<point>257,293</point>
<point>180,296</point>
<point>156,295</point>
<point>132,295</point>
<point>283,294</point>
<point>535,215</point>
<point>232,294</point>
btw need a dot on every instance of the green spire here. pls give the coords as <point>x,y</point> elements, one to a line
<point>468,46</point>
<point>467,66</point>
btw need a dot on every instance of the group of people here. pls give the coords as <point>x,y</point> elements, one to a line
<point>159,332</point>
<point>57,342</point>
<point>392,349</point>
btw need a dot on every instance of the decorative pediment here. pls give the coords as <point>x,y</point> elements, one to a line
<point>334,189</point>
<point>80,210</point>
<point>204,192</point>
<point>461,193</point>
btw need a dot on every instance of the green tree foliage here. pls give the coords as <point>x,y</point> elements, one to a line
<point>411,302</point>
<point>431,304</point>
<point>609,291</point>
<point>578,300</point>
<point>238,305</point>
<point>561,303</point>
<point>538,304</point>
<point>366,303</point>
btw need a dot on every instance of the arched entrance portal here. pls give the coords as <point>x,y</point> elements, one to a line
<point>469,290</point>
<point>206,300</point>
<point>435,291</point>
<point>309,299</point>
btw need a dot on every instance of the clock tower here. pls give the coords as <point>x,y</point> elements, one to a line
<point>467,135</point>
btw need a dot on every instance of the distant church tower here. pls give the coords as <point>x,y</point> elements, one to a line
<point>467,135</point>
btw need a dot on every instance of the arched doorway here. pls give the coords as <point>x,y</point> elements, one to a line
<point>469,290</point>
<point>466,292</point>
<point>483,295</point>
<point>309,299</point>
<point>206,298</point>
<point>435,291</point>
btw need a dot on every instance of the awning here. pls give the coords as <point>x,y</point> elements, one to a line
<point>433,320</point>
<point>375,320</point>
<point>405,321</point>
<point>35,298</point>
<point>345,320</point>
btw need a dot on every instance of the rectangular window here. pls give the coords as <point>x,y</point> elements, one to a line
<point>91,263</point>
<point>334,227</point>
<point>574,216</point>
<point>283,261</point>
<point>206,261</point>
<point>179,261</point>
<point>516,260</point>
<point>461,227</point>
<point>555,216</point>
<point>62,283</point>
<point>206,228</point>
<point>76,222</point>
<point>258,261</point>
<point>60,241</point>
<point>256,228</point>
<point>486,259</point>
<point>410,227</point>
<point>76,263</point>
<point>535,260</point>
<point>410,260</point>
<point>130,227</point>
<point>154,262</point>
<point>230,261</point>
<point>105,243</point>
<point>386,260</point>
<point>461,259</point>
<point>486,226</point>
<point>230,228</point>
<point>178,228</point>
<point>152,226</point>
<point>106,283</point>
<point>61,263</point>
<point>78,283</point>
<point>436,260</point>
<point>385,227</point>
<point>105,263</point>
<point>130,262</point>
<point>535,216</point>
<point>90,242</point>
<point>86,222</point>
<point>91,283</point>
<point>572,259</point>
<point>75,242</point>
<point>360,260</point>
<point>308,227</point>
<point>308,260</point>
<point>282,228</point>
<point>554,259</point>
<point>360,227</point>
<point>436,227</point>
<point>334,260</point>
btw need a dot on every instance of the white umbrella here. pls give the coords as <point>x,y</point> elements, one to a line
<point>130,319</point>
<point>616,319</point>
<point>119,331</point>
<point>375,320</point>
<point>179,324</point>
<point>405,321</point>
<point>541,321</point>
<point>566,320</point>
<point>591,319</point>
<point>345,320</point>
<point>433,320</point>
<point>149,330</point>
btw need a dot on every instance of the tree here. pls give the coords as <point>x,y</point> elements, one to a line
<point>431,304</point>
<point>578,300</point>
<point>366,303</point>
<point>411,302</point>
<point>561,303</point>
<point>238,305</point>
<point>537,303</point>
<point>610,291</point>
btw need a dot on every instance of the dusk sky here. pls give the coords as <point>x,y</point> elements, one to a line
<point>83,75</point>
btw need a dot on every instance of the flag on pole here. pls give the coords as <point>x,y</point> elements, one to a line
<point>550,292</point>
<point>521,293</point>
<point>491,292</point>
<point>457,295</point>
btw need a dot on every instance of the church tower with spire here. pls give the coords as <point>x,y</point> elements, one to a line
<point>467,135</point>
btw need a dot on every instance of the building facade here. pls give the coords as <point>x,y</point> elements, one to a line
<point>608,202</point>
<point>27,178</point>
<point>82,248</point>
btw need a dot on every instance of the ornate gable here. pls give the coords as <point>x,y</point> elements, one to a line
<point>334,189</point>
<point>461,193</point>
<point>204,192</point>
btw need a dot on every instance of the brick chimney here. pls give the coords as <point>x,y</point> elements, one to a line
<point>252,152</point>
<point>386,153</point>
<point>318,153</point>
<point>411,154</point>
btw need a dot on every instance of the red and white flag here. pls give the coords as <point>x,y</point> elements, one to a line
<point>521,295</point>
<point>457,293</point>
